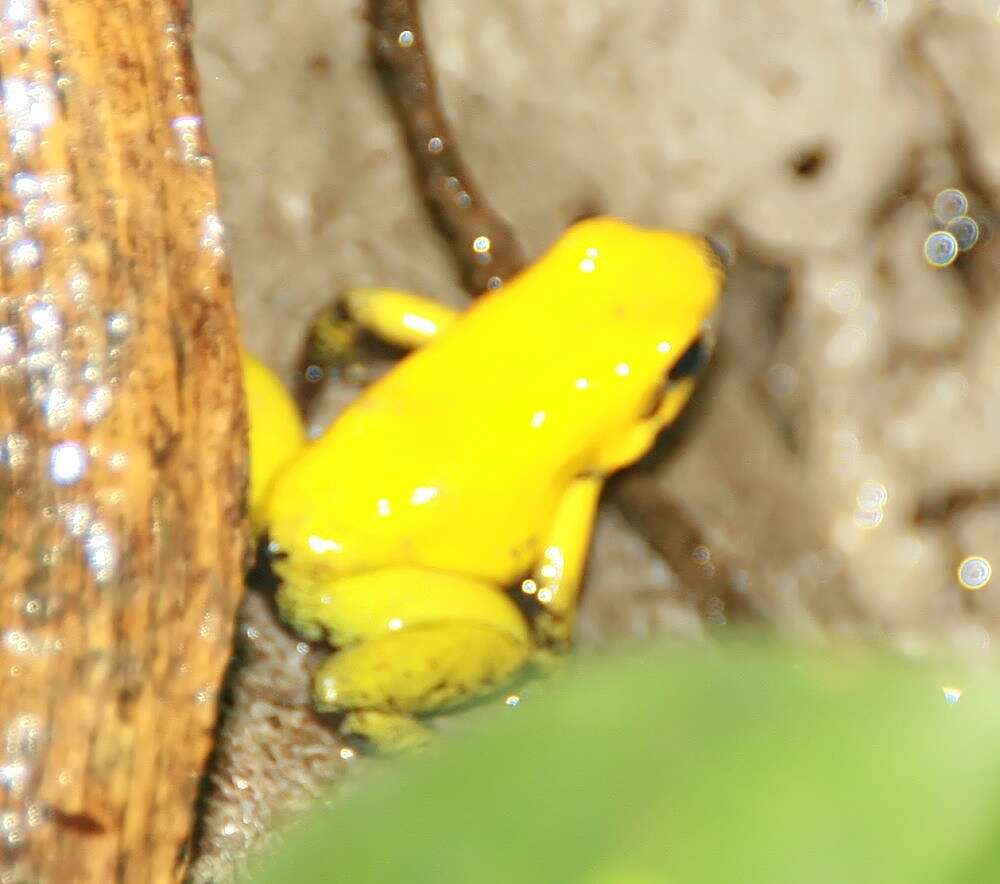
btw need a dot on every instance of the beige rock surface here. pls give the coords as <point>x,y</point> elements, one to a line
<point>812,137</point>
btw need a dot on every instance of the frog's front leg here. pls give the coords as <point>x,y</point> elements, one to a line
<point>403,319</point>
<point>559,574</point>
<point>399,318</point>
<point>413,641</point>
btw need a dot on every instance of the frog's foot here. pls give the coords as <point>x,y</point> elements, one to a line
<point>382,681</point>
<point>548,660</point>
<point>333,343</point>
<point>553,634</point>
<point>392,732</point>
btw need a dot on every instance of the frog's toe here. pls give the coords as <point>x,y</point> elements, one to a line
<point>305,610</point>
<point>390,732</point>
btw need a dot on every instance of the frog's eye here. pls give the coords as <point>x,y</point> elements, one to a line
<point>692,360</point>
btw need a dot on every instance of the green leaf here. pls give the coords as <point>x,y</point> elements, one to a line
<point>745,764</point>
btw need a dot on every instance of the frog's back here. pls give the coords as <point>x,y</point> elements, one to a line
<point>457,458</point>
<point>454,459</point>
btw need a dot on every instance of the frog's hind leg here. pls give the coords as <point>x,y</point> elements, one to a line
<point>337,333</point>
<point>384,682</point>
<point>416,641</point>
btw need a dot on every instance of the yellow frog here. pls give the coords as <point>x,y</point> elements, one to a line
<point>473,467</point>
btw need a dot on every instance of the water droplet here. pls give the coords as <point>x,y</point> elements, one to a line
<point>67,463</point>
<point>78,519</point>
<point>20,13</point>
<point>58,407</point>
<point>11,775</point>
<point>25,254</point>
<point>187,130</point>
<point>47,325</point>
<point>435,145</point>
<point>26,187</point>
<point>405,39</point>
<point>872,496</point>
<point>8,344</point>
<point>513,700</point>
<point>28,108</point>
<point>481,245</point>
<point>950,203</point>
<point>316,544</point>
<point>97,404</point>
<point>420,324</point>
<point>868,518</point>
<point>965,230</point>
<point>423,494</point>
<point>880,8</point>
<point>974,572</point>
<point>940,249</point>
<point>951,694</point>
<point>16,447</point>
<point>118,325</point>
<point>101,553</point>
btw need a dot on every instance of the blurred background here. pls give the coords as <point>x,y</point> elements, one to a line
<point>836,476</point>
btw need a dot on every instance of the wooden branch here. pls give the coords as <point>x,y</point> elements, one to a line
<point>122,464</point>
<point>486,249</point>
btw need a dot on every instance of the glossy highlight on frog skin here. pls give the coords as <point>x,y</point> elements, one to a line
<point>474,466</point>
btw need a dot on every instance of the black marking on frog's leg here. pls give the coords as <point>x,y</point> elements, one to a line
<point>339,346</point>
<point>330,345</point>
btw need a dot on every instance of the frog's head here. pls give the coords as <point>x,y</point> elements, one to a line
<point>630,309</point>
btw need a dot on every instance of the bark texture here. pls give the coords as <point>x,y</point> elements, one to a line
<point>122,464</point>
